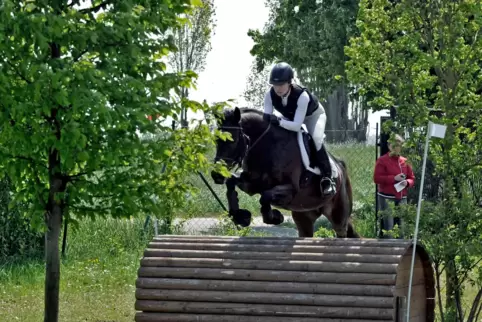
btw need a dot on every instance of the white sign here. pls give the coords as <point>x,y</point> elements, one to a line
<point>437,130</point>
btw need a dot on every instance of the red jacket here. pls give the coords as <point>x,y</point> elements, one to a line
<point>386,168</point>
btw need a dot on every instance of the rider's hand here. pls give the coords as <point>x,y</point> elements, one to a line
<point>400,177</point>
<point>274,119</point>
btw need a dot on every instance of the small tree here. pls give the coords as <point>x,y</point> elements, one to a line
<point>76,86</point>
<point>193,42</point>
<point>256,86</point>
<point>425,56</point>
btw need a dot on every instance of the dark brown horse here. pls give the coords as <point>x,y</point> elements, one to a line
<point>272,167</point>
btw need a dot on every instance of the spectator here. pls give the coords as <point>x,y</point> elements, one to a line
<point>392,169</point>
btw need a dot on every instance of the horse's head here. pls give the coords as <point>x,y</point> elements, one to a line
<point>232,150</point>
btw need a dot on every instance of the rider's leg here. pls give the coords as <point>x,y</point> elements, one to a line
<point>315,124</point>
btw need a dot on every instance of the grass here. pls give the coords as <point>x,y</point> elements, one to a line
<point>97,278</point>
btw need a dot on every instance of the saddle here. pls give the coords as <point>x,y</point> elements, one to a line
<point>308,154</point>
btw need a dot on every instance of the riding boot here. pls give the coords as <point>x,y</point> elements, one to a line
<point>327,185</point>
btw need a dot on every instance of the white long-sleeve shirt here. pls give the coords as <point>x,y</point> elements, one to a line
<point>300,113</point>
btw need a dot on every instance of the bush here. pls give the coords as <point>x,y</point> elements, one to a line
<point>17,238</point>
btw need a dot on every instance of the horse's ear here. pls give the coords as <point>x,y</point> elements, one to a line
<point>237,114</point>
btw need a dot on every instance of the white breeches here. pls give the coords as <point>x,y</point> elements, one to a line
<point>315,124</point>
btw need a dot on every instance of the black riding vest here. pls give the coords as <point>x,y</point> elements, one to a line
<point>289,110</point>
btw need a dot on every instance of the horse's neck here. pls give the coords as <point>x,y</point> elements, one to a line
<point>253,130</point>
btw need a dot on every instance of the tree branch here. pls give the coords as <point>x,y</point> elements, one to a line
<point>89,209</point>
<point>96,8</point>
<point>75,177</point>
<point>478,312</point>
<point>476,306</point>
<point>466,274</point>
<point>18,73</point>
<point>21,157</point>
<point>195,37</point>
<point>76,59</point>
<point>73,3</point>
<point>469,63</point>
<point>41,200</point>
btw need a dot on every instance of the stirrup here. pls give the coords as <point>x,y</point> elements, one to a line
<point>331,185</point>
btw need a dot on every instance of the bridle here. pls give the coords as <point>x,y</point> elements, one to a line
<point>246,147</point>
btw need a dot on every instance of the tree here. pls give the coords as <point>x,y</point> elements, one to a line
<point>426,57</point>
<point>193,43</point>
<point>76,86</point>
<point>256,86</point>
<point>311,36</point>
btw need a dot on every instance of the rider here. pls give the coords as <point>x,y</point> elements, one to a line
<point>298,106</point>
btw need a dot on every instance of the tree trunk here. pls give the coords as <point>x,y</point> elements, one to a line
<point>54,209</point>
<point>52,259</point>
<point>451,287</point>
<point>64,239</point>
<point>184,95</point>
<point>476,307</point>
<point>336,108</point>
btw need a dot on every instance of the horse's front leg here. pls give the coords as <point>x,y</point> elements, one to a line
<point>279,196</point>
<point>240,217</point>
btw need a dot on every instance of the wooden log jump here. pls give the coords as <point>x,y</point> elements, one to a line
<point>282,279</point>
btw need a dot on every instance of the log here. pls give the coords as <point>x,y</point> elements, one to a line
<point>273,240</point>
<point>176,317</point>
<point>265,298</point>
<point>277,265</point>
<point>262,275</point>
<point>263,309</point>
<point>279,279</point>
<point>282,248</point>
<point>260,286</point>
<point>316,256</point>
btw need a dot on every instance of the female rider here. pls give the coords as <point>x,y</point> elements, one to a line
<point>298,106</point>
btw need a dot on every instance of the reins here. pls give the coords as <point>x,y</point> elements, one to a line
<point>246,140</point>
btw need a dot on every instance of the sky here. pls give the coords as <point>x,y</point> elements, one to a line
<point>228,63</point>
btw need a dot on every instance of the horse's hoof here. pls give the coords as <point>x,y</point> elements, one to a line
<point>276,218</point>
<point>241,217</point>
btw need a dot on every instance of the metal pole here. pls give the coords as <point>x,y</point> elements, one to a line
<point>376,186</point>
<point>156,227</point>
<point>419,206</point>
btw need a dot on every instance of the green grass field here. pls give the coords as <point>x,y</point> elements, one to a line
<point>97,277</point>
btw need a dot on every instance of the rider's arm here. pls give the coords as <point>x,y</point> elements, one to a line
<point>268,104</point>
<point>300,114</point>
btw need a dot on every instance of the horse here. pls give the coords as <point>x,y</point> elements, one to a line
<point>272,166</point>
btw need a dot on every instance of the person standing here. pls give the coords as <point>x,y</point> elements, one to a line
<point>394,176</point>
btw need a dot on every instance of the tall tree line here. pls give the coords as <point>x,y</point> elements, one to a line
<point>311,36</point>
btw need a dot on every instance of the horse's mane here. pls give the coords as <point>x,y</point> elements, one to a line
<point>247,114</point>
<point>251,110</point>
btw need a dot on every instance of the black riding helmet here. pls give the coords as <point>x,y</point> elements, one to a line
<point>281,73</point>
